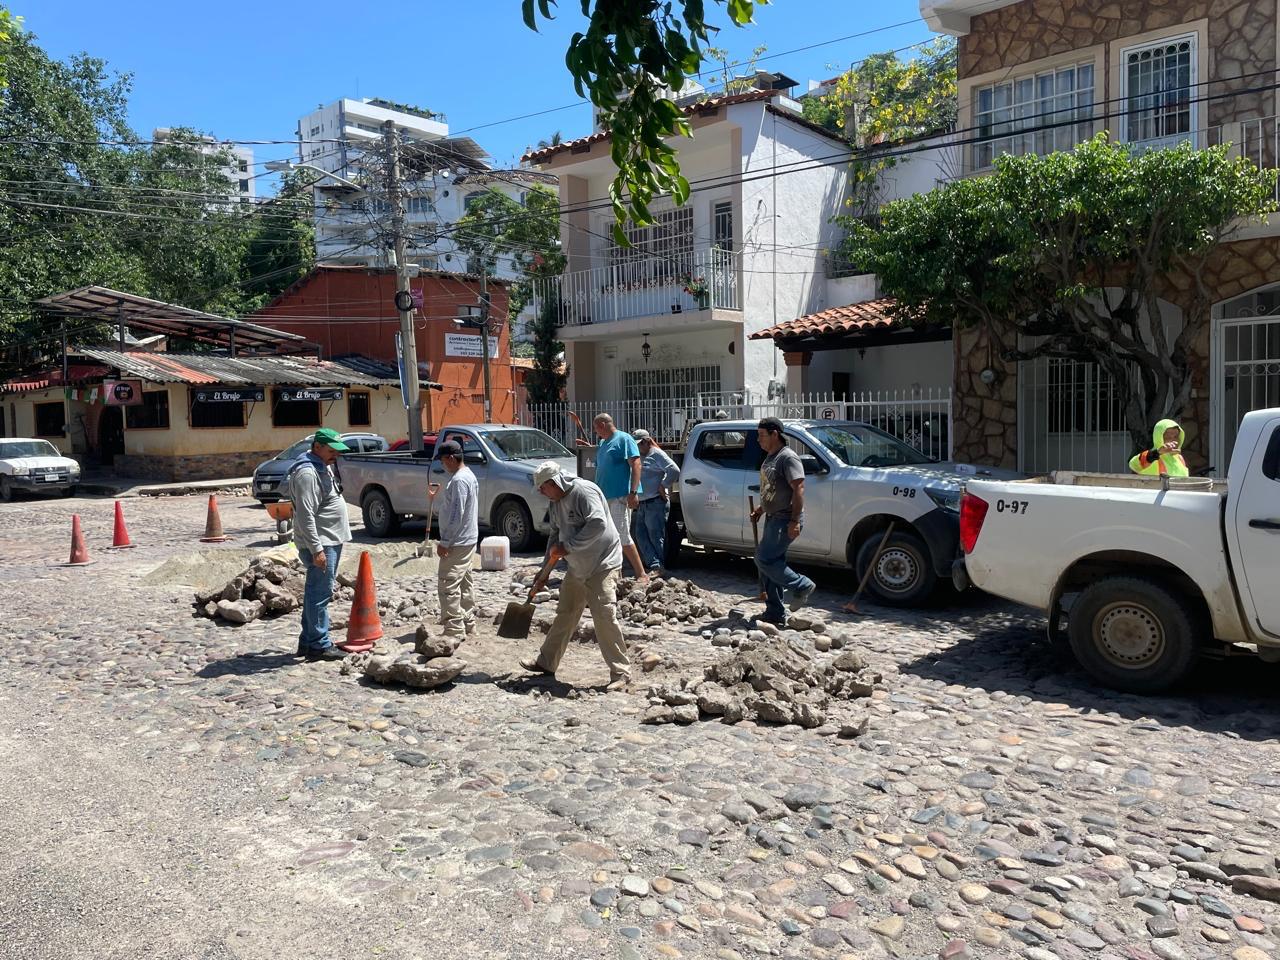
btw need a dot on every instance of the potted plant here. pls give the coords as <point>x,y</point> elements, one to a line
<point>697,288</point>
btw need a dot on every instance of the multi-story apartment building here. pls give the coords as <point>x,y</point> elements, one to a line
<point>1153,74</point>
<point>239,161</point>
<point>441,175</point>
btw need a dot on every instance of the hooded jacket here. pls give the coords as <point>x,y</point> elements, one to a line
<point>1154,462</point>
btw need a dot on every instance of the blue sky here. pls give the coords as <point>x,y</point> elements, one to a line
<point>247,72</point>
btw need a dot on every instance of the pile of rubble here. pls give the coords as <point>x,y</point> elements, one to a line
<point>267,588</point>
<point>431,663</point>
<point>767,679</point>
<point>665,601</point>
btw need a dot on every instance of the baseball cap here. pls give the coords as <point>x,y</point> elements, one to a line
<point>450,448</point>
<point>547,470</point>
<point>641,435</point>
<point>330,438</point>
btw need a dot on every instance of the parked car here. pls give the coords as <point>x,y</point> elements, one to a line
<point>428,443</point>
<point>388,487</point>
<point>269,474</point>
<point>35,466</point>
<point>1148,573</point>
<point>858,480</point>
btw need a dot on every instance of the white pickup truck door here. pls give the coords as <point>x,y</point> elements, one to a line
<point>1256,522</point>
<point>713,479</point>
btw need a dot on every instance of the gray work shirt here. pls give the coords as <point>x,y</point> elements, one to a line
<point>776,475</point>
<point>656,470</point>
<point>580,522</point>
<point>458,508</point>
<point>319,512</point>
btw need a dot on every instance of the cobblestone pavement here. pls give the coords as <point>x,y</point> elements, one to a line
<point>179,788</point>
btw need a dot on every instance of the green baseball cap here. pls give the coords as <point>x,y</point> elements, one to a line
<point>331,439</point>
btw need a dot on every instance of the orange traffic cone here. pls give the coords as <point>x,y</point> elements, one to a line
<point>364,626</point>
<point>121,541</point>
<point>213,523</point>
<point>79,552</point>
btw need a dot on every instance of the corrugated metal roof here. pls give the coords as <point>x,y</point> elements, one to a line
<point>200,368</point>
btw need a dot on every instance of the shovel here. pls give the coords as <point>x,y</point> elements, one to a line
<point>518,617</point>
<point>428,546</point>
<point>755,538</point>
<point>852,605</point>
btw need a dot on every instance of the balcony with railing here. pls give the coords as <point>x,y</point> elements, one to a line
<point>666,291</point>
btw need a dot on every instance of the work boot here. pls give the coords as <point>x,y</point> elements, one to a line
<point>324,653</point>
<point>800,598</point>
<point>533,666</point>
<point>618,684</point>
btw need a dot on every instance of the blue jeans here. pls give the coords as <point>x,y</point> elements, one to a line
<point>779,579</point>
<point>315,599</point>
<point>649,530</point>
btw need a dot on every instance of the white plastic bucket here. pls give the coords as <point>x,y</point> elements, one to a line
<point>495,553</point>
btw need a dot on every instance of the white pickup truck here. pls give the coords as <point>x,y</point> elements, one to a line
<point>1148,573</point>
<point>858,481</point>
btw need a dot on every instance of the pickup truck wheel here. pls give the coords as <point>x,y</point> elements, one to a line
<point>6,490</point>
<point>1132,634</point>
<point>903,574</point>
<point>672,542</point>
<point>514,522</point>
<point>379,519</point>
<point>70,491</point>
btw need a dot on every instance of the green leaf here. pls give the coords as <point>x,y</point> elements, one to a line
<point>530,20</point>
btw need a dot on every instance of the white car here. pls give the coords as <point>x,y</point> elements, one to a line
<point>35,466</point>
<point>1149,573</point>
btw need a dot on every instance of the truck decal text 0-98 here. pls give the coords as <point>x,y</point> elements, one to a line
<point>907,492</point>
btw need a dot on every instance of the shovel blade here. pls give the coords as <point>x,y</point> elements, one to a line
<point>516,621</point>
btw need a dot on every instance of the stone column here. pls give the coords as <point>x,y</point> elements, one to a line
<point>797,361</point>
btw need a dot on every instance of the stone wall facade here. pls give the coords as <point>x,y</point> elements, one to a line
<point>220,466</point>
<point>984,418</point>
<point>1241,41</point>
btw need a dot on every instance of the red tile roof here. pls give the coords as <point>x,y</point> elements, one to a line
<point>855,318</point>
<point>701,106</point>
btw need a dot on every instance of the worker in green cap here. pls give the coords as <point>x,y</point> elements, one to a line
<point>320,528</point>
<point>1164,459</point>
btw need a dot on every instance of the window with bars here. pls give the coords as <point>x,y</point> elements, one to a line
<point>663,249</point>
<point>1039,113</point>
<point>1158,81</point>
<point>672,383</point>
<point>1082,397</point>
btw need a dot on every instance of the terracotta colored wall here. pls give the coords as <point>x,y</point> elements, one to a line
<point>353,311</point>
<point>1242,40</point>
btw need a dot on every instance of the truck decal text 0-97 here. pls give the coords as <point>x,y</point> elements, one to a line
<point>1012,506</point>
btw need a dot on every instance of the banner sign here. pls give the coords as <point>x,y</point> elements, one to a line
<point>231,395</point>
<point>468,345</point>
<point>122,393</point>
<point>310,393</point>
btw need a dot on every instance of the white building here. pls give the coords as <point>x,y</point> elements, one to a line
<point>671,318</point>
<point>440,176</point>
<point>239,168</point>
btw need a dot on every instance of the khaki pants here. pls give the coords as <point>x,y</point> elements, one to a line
<point>599,594</point>
<point>457,604</point>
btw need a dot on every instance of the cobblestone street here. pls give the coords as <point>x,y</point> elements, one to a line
<point>177,787</point>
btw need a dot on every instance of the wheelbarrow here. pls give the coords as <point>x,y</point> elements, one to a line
<point>282,513</point>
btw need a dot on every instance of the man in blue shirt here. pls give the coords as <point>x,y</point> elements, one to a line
<point>657,472</point>
<point>618,477</point>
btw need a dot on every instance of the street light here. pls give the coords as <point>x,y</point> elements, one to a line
<point>287,166</point>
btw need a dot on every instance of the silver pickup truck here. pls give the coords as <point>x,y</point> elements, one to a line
<point>388,487</point>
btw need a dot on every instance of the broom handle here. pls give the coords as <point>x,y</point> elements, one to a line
<point>755,537</point>
<point>888,532</point>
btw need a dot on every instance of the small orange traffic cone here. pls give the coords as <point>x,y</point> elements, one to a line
<point>79,552</point>
<point>120,540</point>
<point>364,626</point>
<point>213,523</point>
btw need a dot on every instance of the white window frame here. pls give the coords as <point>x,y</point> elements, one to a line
<point>1193,57</point>
<point>1028,114</point>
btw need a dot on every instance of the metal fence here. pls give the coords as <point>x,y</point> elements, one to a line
<point>921,419</point>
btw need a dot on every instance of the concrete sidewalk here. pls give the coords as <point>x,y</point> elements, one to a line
<point>108,486</point>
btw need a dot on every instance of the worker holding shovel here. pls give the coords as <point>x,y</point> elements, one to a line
<point>582,534</point>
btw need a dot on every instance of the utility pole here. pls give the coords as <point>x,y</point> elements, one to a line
<point>404,297</point>
<point>484,338</point>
